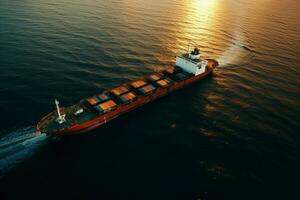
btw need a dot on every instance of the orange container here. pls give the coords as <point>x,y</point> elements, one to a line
<point>92,101</point>
<point>155,77</point>
<point>163,82</point>
<point>127,97</point>
<point>119,90</point>
<point>139,83</point>
<point>106,106</point>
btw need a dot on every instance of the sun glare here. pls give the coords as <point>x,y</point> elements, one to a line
<point>206,3</point>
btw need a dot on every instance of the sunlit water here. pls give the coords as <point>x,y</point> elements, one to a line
<point>232,136</point>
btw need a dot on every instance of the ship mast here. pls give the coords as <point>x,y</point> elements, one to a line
<point>61,117</point>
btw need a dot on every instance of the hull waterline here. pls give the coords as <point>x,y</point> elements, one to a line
<point>97,112</point>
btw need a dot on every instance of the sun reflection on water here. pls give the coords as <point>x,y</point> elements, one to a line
<point>198,19</point>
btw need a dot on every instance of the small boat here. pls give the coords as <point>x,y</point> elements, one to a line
<point>94,111</point>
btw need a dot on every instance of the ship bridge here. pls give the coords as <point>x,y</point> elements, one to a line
<point>191,62</point>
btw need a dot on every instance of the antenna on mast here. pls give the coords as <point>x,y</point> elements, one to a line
<point>61,117</point>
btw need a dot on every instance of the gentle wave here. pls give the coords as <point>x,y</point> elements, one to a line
<point>19,145</point>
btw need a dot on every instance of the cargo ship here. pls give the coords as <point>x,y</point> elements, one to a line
<point>97,110</point>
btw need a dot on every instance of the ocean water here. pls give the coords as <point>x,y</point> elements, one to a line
<point>234,135</point>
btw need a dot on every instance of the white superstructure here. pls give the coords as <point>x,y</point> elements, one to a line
<point>191,62</point>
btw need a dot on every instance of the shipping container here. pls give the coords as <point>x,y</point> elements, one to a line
<point>103,97</point>
<point>170,70</point>
<point>128,97</point>
<point>147,89</point>
<point>120,90</point>
<point>155,77</point>
<point>138,84</point>
<point>106,106</point>
<point>164,82</point>
<point>93,100</point>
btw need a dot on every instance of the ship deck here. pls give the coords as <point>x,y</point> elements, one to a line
<point>115,101</point>
<point>138,88</point>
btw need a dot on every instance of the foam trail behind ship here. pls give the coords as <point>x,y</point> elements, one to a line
<point>238,53</point>
<point>19,145</point>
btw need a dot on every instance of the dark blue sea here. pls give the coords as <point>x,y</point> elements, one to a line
<point>234,135</point>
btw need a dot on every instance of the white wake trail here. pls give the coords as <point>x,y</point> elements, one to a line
<point>238,53</point>
<point>19,145</point>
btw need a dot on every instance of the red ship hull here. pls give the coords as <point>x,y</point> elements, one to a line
<point>101,120</point>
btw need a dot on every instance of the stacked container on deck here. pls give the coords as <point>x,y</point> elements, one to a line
<point>102,103</point>
<point>177,74</point>
<point>125,94</point>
